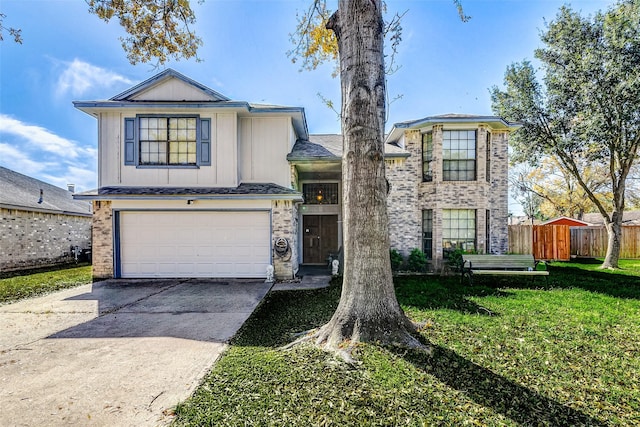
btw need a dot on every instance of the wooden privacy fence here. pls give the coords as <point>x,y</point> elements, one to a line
<point>548,242</point>
<point>592,241</point>
<point>560,242</point>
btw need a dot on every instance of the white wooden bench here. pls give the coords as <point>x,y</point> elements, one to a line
<point>499,265</point>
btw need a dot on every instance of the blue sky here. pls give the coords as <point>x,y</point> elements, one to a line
<point>446,67</point>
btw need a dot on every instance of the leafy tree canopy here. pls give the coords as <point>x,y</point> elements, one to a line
<point>586,108</point>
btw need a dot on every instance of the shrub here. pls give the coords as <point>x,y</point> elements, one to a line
<point>417,261</point>
<point>396,259</point>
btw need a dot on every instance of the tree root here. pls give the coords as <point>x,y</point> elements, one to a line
<point>343,348</point>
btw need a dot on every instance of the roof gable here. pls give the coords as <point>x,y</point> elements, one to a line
<point>170,85</point>
<point>564,220</point>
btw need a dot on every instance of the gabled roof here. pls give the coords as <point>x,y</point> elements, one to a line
<point>167,74</point>
<point>565,220</point>
<point>21,192</point>
<point>492,121</point>
<point>198,96</point>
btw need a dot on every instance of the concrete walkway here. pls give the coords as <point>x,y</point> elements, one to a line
<point>115,353</point>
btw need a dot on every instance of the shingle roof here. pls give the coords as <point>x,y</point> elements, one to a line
<point>18,191</point>
<point>329,147</point>
<point>268,190</point>
<point>305,150</point>
<point>628,218</point>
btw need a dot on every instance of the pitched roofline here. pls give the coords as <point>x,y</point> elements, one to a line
<point>567,218</point>
<point>168,73</point>
<point>398,128</point>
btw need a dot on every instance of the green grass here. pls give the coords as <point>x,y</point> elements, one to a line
<point>34,284</point>
<point>525,352</point>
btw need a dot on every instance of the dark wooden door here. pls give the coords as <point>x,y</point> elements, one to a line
<point>320,238</point>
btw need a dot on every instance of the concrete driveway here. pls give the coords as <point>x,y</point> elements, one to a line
<point>115,353</point>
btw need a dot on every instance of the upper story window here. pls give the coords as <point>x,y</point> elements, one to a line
<point>427,156</point>
<point>165,141</point>
<point>488,173</point>
<point>168,140</point>
<point>459,155</point>
<point>320,193</point>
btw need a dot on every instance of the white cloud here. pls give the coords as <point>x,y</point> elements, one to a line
<point>37,152</point>
<point>17,160</point>
<point>79,77</point>
<point>39,137</point>
<point>84,179</point>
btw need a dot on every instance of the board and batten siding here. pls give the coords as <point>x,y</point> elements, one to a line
<point>221,173</point>
<point>173,89</point>
<point>263,147</point>
<point>242,150</point>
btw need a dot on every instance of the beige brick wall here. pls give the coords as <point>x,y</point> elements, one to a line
<point>37,239</point>
<point>102,251</point>
<point>409,196</point>
<point>284,223</point>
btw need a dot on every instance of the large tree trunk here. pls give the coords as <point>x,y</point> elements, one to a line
<point>614,244</point>
<point>368,308</point>
<point>614,225</point>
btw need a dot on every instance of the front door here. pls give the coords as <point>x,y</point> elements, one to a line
<point>320,238</point>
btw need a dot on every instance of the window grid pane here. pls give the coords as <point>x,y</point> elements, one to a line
<point>427,156</point>
<point>325,193</point>
<point>168,140</point>
<point>459,155</point>
<point>427,233</point>
<point>458,230</point>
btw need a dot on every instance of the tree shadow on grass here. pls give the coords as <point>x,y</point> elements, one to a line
<point>283,314</point>
<point>444,293</point>
<point>486,388</point>
<point>567,277</point>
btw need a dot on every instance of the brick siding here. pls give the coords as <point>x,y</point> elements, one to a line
<point>284,223</point>
<point>409,195</point>
<point>102,240</point>
<point>37,239</point>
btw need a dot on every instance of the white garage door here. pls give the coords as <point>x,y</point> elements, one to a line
<point>194,244</point>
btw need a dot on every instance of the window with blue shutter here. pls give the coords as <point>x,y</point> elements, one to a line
<point>205,142</point>
<point>129,141</point>
<point>158,140</point>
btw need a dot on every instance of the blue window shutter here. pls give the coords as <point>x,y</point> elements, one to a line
<point>129,141</point>
<point>205,142</point>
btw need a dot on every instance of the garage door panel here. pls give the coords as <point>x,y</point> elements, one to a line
<point>194,244</point>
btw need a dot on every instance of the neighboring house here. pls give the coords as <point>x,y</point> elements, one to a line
<point>40,223</point>
<point>628,218</point>
<point>194,184</point>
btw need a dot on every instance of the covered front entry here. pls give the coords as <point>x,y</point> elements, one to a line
<point>320,238</point>
<point>193,244</point>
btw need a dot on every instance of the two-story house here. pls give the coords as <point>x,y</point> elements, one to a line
<point>193,184</point>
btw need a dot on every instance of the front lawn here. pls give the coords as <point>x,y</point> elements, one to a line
<point>528,352</point>
<point>34,284</point>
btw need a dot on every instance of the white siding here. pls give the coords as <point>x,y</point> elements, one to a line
<point>264,145</point>
<point>172,90</point>
<point>223,171</point>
